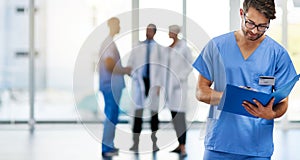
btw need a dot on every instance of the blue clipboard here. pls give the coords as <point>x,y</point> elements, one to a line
<point>233,97</point>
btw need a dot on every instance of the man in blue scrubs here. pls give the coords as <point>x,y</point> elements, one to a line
<point>111,84</point>
<point>241,58</point>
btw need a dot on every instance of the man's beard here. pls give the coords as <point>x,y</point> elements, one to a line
<point>250,36</point>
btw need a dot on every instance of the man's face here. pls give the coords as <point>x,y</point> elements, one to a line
<point>150,33</point>
<point>118,28</point>
<point>254,24</point>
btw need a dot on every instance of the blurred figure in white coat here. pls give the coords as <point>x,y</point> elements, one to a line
<point>179,66</point>
<point>147,79</point>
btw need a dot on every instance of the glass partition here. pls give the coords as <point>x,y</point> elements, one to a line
<point>14,62</point>
<point>59,34</point>
<point>67,30</point>
<point>61,31</point>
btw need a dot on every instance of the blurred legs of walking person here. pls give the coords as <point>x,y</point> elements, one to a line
<point>137,128</point>
<point>179,122</point>
<point>112,113</point>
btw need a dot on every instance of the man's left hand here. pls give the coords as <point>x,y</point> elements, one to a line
<point>260,111</point>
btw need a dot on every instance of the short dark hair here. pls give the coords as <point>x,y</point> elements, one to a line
<point>153,26</point>
<point>266,7</point>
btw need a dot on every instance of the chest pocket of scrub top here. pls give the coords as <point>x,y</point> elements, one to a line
<point>262,88</point>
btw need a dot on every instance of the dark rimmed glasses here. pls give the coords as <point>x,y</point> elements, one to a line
<point>252,25</point>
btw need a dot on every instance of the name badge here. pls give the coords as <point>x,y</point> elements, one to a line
<point>266,81</point>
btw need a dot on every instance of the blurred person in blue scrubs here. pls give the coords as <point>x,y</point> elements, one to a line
<point>111,76</point>
<point>179,65</point>
<point>240,58</point>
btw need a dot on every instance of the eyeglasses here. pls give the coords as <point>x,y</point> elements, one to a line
<point>252,25</point>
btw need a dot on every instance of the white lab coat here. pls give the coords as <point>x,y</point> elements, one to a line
<point>179,66</point>
<point>137,61</point>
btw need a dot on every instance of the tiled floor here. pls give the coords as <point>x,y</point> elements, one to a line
<point>82,142</point>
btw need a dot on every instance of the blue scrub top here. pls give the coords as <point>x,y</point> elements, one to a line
<point>222,63</point>
<point>107,81</point>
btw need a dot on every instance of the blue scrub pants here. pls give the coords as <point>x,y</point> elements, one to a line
<point>213,155</point>
<point>111,111</point>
